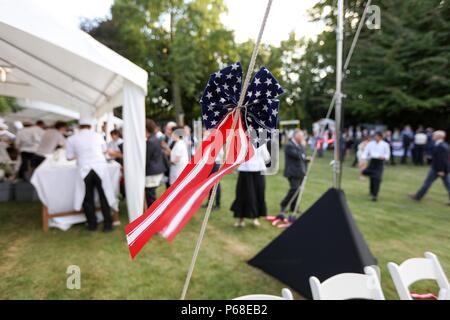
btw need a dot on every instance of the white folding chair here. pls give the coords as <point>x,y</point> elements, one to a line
<point>347,286</point>
<point>416,269</point>
<point>286,294</point>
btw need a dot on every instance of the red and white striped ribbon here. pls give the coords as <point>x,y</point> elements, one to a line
<point>181,212</point>
<point>178,204</point>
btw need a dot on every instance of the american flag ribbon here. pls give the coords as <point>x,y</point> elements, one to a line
<point>260,107</point>
<point>233,130</point>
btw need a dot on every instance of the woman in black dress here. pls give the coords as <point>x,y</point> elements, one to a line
<point>250,201</point>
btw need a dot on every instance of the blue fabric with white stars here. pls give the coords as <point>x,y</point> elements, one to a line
<point>260,112</point>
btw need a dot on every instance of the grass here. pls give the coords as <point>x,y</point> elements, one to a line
<point>33,264</point>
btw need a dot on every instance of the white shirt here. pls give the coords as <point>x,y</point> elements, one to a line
<point>420,138</point>
<point>114,145</point>
<point>6,135</point>
<point>160,135</point>
<point>29,138</point>
<point>375,150</point>
<point>180,151</point>
<point>257,162</point>
<point>89,148</point>
<point>51,139</point>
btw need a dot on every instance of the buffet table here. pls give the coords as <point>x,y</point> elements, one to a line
<point>61,190</point>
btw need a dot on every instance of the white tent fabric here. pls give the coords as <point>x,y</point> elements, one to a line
<point>134,148</point>
<point>49,113</point>
<point>53,63</point>
<point>35,114</point>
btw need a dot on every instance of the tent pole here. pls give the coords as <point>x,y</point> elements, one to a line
<point>338,95</point>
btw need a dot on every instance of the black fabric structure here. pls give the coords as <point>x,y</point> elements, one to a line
<point>323,242</point>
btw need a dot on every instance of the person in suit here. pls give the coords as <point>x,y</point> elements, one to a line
<point>154,163</point>
<point>294,169</point>
<point>167,146</point>
<point>439,166</point>
<point>407,138</point>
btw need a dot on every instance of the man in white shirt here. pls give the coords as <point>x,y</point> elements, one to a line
<point>52,139</point>
<point>6,138</point>
<point>5,135</point>
<point>27,141</point>
<point>115,146</point>
<point>420,140</point>
<point>179,156</point>
<point>378,152</point>
<point>89,148</point>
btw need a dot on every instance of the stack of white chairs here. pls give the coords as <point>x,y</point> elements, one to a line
<point>416,269</point>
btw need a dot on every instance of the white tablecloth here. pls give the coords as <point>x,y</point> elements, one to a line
<point>61,189</point>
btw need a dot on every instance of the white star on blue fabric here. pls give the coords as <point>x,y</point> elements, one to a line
<point>260,103</point>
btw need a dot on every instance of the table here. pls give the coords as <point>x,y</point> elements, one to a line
<point>61,190</point>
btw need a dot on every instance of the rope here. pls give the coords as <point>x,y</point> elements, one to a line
<point>229,138</point>
<point>355,38</point>
<point>301,189</point>
<point>313,156</point>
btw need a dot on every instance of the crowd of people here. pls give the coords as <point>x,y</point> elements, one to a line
<point>33,142</point>
<point>168,151</point>
<point>374,149</point>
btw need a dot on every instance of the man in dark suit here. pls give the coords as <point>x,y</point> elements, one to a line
<point>294,169</point>
<point>167,148</point>
<point>439,166</point>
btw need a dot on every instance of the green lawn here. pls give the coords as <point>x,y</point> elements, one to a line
<point>33,264</point>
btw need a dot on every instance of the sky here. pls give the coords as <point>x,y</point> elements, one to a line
<point>244,16</point>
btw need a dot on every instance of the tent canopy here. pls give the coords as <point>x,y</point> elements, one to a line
<point>59,64</point>
<point>43,60</point>
<point>36,110</point>
<point>34,115</point>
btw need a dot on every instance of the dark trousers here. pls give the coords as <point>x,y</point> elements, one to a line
<point>419,152</point>
<point>375,172</point>
<point>216,168</point>
<point>25,165</point>
<point>374,186</point>
<point>294,184</point>
<point>431,177</point>
<point>92,182</point>
<point>405,152</point>
<point>392,158</point>
<point>150,196</point>
<point>37,160</point>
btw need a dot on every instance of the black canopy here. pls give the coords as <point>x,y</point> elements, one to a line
<point>323,242</point>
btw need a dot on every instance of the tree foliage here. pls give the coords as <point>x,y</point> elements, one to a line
<point>398,74</point>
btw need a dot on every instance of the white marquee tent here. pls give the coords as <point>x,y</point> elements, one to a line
<point>33,111</point>
<point>36,110</point>
<point>43,60</point>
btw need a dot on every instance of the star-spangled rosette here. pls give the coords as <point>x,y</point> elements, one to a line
<point>260,107</point>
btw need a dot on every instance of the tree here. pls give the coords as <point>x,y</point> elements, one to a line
<point>7,105</point>
<point>178,42</point>
<point>398,74</point>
